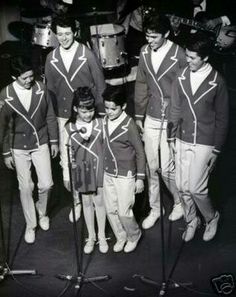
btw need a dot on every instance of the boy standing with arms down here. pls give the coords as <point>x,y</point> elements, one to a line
<point>197,128</point>
<point>29,123</point>
<point>69,66</point>
<point>159,61</point>
<point>124,165</point>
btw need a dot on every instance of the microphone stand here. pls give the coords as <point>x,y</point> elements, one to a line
<point>165,282</point>
<point>80,278</point>
<point>5,269</point>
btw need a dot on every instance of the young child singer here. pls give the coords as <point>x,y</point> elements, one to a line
<point>124,164</point>
<point>86,139</point>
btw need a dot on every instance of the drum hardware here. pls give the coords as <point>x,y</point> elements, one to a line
<point>43,36</point>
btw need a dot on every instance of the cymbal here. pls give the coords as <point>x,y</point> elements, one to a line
<point>36,12</point>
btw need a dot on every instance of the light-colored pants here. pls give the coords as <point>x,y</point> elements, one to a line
<point>41,160</point>
<point>152,129</point>
<point>119,198</point>
<point>192,175</point>
<point>91,202</point>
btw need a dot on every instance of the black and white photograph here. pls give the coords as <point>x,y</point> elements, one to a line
<point>117,148</point>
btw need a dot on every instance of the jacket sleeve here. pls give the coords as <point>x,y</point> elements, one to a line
<point>6,122</point>
<point>98,78</point>
<point>174,112</point>
<point>135,140</point>
<point>221,115</point>
<point>51,122</point>
<point>140,94</point>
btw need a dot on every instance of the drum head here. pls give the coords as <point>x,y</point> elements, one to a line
<point>106,30</point>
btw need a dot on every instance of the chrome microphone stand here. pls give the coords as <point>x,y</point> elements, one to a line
<point>165,281</point>
<point>80,278</point>
<point>5,269</point>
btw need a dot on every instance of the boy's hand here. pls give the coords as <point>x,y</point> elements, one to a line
<point>9,162</point>
<point>54,150</point>
<point>139,186</point>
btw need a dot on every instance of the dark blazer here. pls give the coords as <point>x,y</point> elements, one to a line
<point>84,71</point>
<point>27,130</point>
<point>201,118</point>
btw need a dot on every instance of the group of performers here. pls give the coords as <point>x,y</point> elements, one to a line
<point>181,108</point>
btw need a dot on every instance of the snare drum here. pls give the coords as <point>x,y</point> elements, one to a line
<point>108,42</point>
<point>43,35</point>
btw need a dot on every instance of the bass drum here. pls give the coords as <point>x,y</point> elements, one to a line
<point>108,43</point>
<point>43,36</point>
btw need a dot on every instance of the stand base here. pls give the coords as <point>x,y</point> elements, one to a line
<point>6,271</point>
<point>79,280</point>
<point>164,286</point>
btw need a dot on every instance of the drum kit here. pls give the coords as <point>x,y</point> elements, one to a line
<point>107,40</point>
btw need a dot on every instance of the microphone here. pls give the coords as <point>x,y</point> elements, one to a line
<point>163,107</point>
<point>81,130</point>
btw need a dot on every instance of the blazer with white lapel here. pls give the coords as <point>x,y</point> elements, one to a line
<point>152,88</point>
<point>201,118</point>
<point>88,156</point>
<point>123,150</point>
<point>84,71</point>
<point>28,129</point>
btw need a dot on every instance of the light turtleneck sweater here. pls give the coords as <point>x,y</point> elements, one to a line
<point>113,124</point>
<point>23,94</point>
<point>197,77</point>
<point>67,55</point>
<point>88,126</point>
<point>158,55</point>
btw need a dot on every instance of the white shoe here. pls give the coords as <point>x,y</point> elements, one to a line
<point>177,212</point>
<point>103,246</point>
<point>131,245</point>
<point>211,227</point>
<point>151,219</point>
<point>89,246</point>
<point>191,229</point>
<point>119,245</point>
<point>77,213</point>
<point>44,222</point>
<point>29,235</point>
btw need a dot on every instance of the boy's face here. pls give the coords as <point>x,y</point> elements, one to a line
<point>154,39</point>
<point>86,115</point>
<point>113,111</point>
<point>194,61</point>
<point>65,36</point>
<point>26,79</point>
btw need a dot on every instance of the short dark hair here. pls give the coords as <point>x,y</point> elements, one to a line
<point>64,22</point>
<point>83,98</point>
<point>115,94</point>
<point>158,23</point>
<point>20,65</point>
<point>201,43</point>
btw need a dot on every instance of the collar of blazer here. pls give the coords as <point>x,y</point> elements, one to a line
<point>14,102</point>
<point>121,129</point>
<point>168,62</point>
<point>80,141</point>
<point>78,61</point>
<point>206,86</point>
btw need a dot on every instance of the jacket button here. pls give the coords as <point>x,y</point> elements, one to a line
<point>24,135</point>
<point>64,98</point>
<point>94,160</point>
<point>25,146</point>
<point>34,133</point>
<point>106,168</point>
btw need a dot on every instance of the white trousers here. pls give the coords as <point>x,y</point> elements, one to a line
<point>152,129</point>
<point>90,203</point>
<point>62,145</point>
<point>41,160</point>
<point>119,198</point>
<point>192,175</point>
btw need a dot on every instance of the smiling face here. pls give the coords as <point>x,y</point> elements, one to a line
<point>65,36</point>
<point>155,40</point>
<point>26,79</point>
<point>84,114</point>
<point>194,61</point>
<point>113,111</point>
